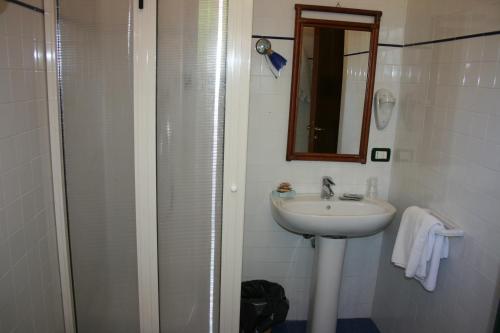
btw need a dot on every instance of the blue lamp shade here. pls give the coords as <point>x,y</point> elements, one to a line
<point>277,60</point>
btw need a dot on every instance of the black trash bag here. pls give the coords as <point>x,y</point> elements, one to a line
<point>263,304</point>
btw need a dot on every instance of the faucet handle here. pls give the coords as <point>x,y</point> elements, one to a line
<point>328,180</point>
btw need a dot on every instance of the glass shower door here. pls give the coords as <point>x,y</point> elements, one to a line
<point>95,57</point>
<point>95,77</point>
<point>190,113</point>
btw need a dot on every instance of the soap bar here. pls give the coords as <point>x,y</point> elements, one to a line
<point>284,187</point>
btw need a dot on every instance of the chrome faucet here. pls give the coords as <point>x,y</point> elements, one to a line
<point>326,188</point>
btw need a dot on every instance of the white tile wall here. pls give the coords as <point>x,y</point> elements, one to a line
<point>277,17</point>
<point>269,251</point>
<point>351,108</point>
<point>429,19</point>
<point>447,137</point>
<point>29,276</point>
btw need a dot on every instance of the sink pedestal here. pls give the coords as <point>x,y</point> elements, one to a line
<point>328,262</point>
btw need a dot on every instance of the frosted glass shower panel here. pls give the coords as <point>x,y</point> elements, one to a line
<point>95,64</point>
<point>190,114</point>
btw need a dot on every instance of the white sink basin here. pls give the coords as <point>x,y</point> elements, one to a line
<point>309,214</point>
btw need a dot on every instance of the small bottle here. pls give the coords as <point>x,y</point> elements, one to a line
<point>372,187</point>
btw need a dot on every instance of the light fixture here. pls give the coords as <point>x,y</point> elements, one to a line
<point>275,61</point>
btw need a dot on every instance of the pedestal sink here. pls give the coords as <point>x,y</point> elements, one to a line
<point>331,222</point>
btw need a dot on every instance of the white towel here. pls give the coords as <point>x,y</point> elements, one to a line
<point>418,248</point>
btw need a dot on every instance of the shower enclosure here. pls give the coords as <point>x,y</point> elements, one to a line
<point>150,154</point>
<point>96,89</point>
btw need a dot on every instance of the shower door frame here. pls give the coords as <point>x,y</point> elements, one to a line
<point>239,46</point>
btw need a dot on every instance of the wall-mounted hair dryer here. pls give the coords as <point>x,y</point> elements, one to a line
<point>384,104</point>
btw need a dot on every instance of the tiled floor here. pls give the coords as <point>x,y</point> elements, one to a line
<point>361,325</point>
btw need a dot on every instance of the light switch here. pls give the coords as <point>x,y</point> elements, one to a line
<point>381,154</point>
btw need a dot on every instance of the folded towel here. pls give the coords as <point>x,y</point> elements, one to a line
<point>418,248</point>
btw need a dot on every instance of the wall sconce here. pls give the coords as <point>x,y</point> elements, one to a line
<point>274,60</point>
<point>384,104</point>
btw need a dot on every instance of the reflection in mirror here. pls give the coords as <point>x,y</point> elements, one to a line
<point>333,75</point>
<point>331,90</point>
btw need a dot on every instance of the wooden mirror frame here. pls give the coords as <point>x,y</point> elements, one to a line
<point>300,23</point>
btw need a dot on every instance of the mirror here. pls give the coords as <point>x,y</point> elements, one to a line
<point>332,83</point>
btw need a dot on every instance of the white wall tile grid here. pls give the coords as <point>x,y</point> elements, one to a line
<point>448,144</point>
<point>29,278</point>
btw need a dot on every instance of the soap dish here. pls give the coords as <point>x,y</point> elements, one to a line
<point>289,194</point>
<point>351,197</point>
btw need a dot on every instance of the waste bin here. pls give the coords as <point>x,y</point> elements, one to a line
<point>263,304</point>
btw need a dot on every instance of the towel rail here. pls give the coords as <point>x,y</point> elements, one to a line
<point>451,229</point>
